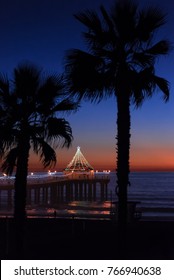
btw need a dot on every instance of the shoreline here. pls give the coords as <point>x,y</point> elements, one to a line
<point>73,211</point>
<point>154,217</point>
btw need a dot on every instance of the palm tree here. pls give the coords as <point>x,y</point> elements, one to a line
<point>28,116</point>
<point>120,62</point>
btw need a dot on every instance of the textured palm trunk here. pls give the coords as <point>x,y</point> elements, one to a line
<point>123,146</point>
<point>21,180</point>
<point>20,195</point>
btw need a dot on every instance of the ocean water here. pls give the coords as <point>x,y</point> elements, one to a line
<point>153,192</point>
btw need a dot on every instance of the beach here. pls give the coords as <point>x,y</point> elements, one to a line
<point>88,239</point>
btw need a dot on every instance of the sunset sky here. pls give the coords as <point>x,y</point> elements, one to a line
<point>40,31</point>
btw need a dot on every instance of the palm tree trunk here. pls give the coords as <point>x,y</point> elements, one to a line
<point>20,195</point>
<point>123,146</point>
<point>21,181</point>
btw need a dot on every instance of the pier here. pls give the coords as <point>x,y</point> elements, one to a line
<point>78,182</point>
<point>51,190</point>
<point>68,190</point>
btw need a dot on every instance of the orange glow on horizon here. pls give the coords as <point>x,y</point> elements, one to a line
<point>140,159</point>
<point>152,158</point>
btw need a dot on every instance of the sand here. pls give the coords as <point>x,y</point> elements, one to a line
<point>88,239</point>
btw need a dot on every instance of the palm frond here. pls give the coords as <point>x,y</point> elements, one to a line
<point>10,161</point>
<point>90,19</point>
<point>163,85</point>
<point>7,136</point>
<point>66,105</point>
<point>59,130</point>
<point>163,47</point>
<point>84,75</point>
<point>2,150</point>
<point>4,85</point>
<point>97,35</point>
<point>107,20</point>
<point>143,59</point>
<point>144,84</point>
<point>124,16</point>
<point>149,20</point>
<point>51,88</point>
<point>47,154</point>
<point>26,108</point>
<point>7,100</point>
<point>26,80</point>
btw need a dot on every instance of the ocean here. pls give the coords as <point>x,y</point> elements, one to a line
<point>153,192</point>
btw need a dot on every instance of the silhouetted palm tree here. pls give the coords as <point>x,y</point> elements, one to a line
<point>28,119</point>
<point>120,62</point>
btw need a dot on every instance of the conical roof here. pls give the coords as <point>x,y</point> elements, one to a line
<point>79,163</point>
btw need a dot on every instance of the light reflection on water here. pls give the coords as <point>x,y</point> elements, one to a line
<point>76,209</point>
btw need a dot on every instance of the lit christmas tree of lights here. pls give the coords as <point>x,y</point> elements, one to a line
<point>79,163</point>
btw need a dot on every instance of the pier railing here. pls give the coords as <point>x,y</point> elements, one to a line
<point>42,179</point>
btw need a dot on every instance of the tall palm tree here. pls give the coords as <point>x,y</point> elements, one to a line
<point>28,119</point>
<point>120,62</point>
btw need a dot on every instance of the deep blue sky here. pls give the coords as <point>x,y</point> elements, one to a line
<point>41,31</point>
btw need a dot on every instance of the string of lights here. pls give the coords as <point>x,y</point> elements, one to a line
<point>79,163</point>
